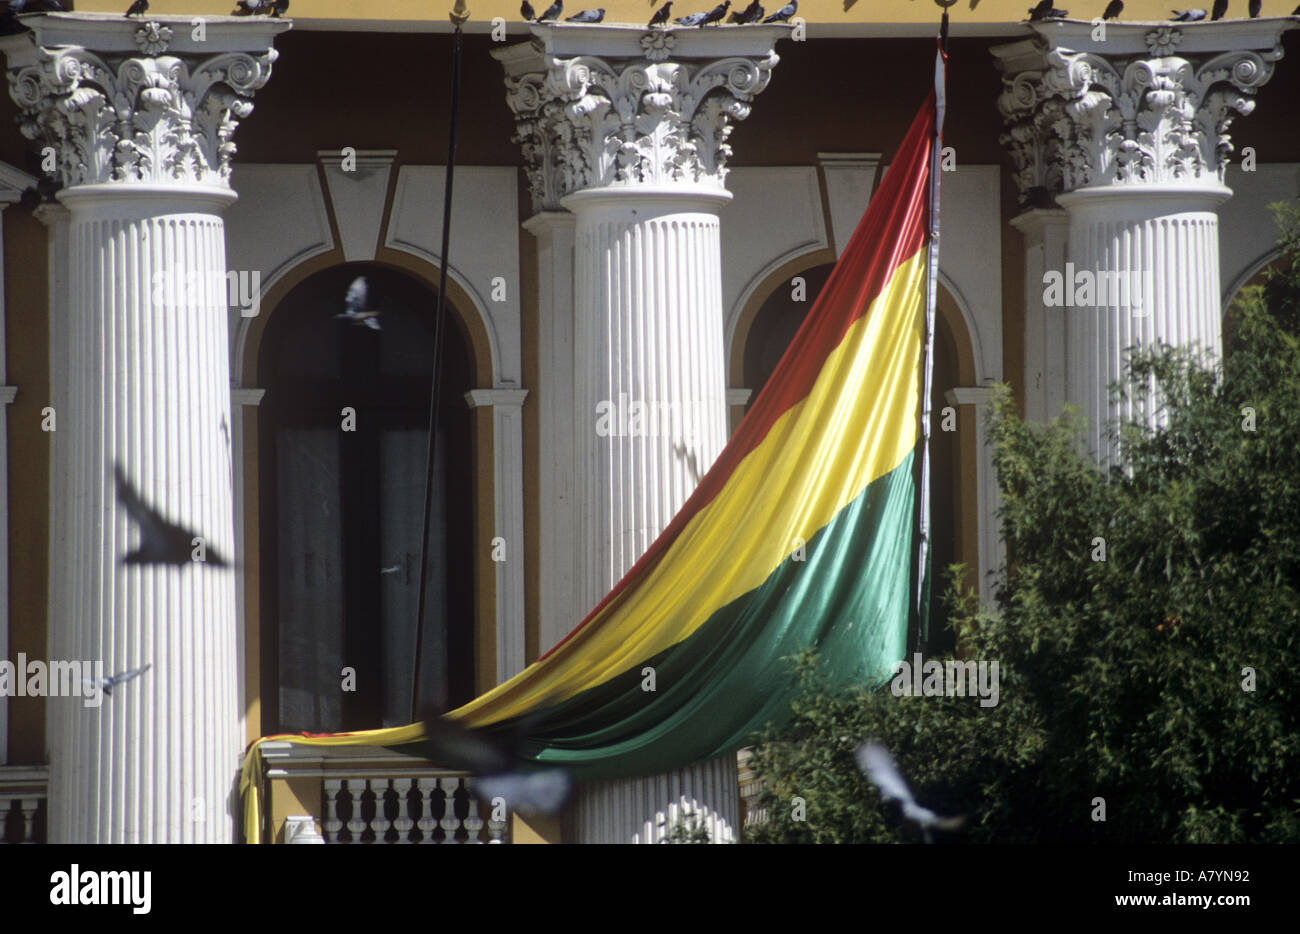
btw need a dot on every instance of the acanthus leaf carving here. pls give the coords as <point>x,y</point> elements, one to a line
<point>1080,119</point>
<point>588,122</point>
<point>144,118</point>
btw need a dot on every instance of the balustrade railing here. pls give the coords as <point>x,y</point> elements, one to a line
<point>22,803</point>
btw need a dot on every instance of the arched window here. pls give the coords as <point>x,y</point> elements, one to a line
<point>772,330</point>
<point>344,431</point>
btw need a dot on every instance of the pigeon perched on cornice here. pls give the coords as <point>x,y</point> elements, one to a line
<point>355,302</point>
<point>161,542</point>
<point>1219,10</point>
<point>107,684</point>
<point>278,7</point>
<point>704,19</point>
<point>138,8</point>
<point>661,15</point>
<point>586,16</point>
<point>1113,9</point>
<point>750,14</point>
<point>1187,16</point>
<point>252,8</point>
<point>1041,11</point>
<point>783,14</point>
<point>552,11</point>
<point>527,12</point>
<point>875,761</point>
<point>1255,7</point>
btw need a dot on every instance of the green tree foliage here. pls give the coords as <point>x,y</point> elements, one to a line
<point>1120,678</point>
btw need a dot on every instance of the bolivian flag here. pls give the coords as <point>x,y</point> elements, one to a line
<point>800,535</point>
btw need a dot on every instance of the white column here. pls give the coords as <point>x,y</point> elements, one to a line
<point>1128,132</point>
<point>627,129</point>
<point>142,122</point>
<point>508,484</point>
<point>1045,233</point>
<point>560,604</point>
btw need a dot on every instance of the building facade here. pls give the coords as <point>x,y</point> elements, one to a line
<point>641,219</point>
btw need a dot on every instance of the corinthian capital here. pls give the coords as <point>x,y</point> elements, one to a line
<point>605,106</point>
<point>1135,104</point>
<point>150,101</point>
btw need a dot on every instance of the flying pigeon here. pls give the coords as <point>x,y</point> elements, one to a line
<point>1220,8</point>
<point>355,301</point>
<point>552,11</point>
<point>875,761</point>
<point>1113,9</point>
<point>497,765</point>
<point>252,8</point>
<point>783,14</point>
<point>527,12</point>
<point>661,15</point>
<point>587,16</point>
<point>1255,7</point>
<point>278,7</point>
<point>161,542</point>
<point>1187,16</point>
<point>107,684</point>
<point>750,14</point>
<point>138,8</point>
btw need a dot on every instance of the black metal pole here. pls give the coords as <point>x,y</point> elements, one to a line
<point>439,318</point>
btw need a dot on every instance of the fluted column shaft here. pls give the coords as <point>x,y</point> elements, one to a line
<point>650,400</point>
<point>148,389</point>
<point>141,114</point>
<point>1153,256</point>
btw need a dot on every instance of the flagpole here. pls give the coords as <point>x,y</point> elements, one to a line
<point>459,15</point>
<point>923,570</point>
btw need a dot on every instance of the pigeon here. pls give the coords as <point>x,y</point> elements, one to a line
<point>586,16</point>
<point>356,301</point>
<point>107,684</point>
<point>1187,16</point>
<point>252,8</point>
<point>278,7</point>
<point>661,15</point>
<point>552,11</point>
<point>138,8</point>
<point>875,761</point>
<point>1255,7</point>
<point>716,14</point>
<point>161,542</point>
<point>497,764</point>
<point>1113,9</point>
<point>1220,8</point>
<point>1296,11</point>
<point>783,14</point>
<point>527,12</point>
<point>750,14</point>
<point>1042,11</point>
<point>694,19</point>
